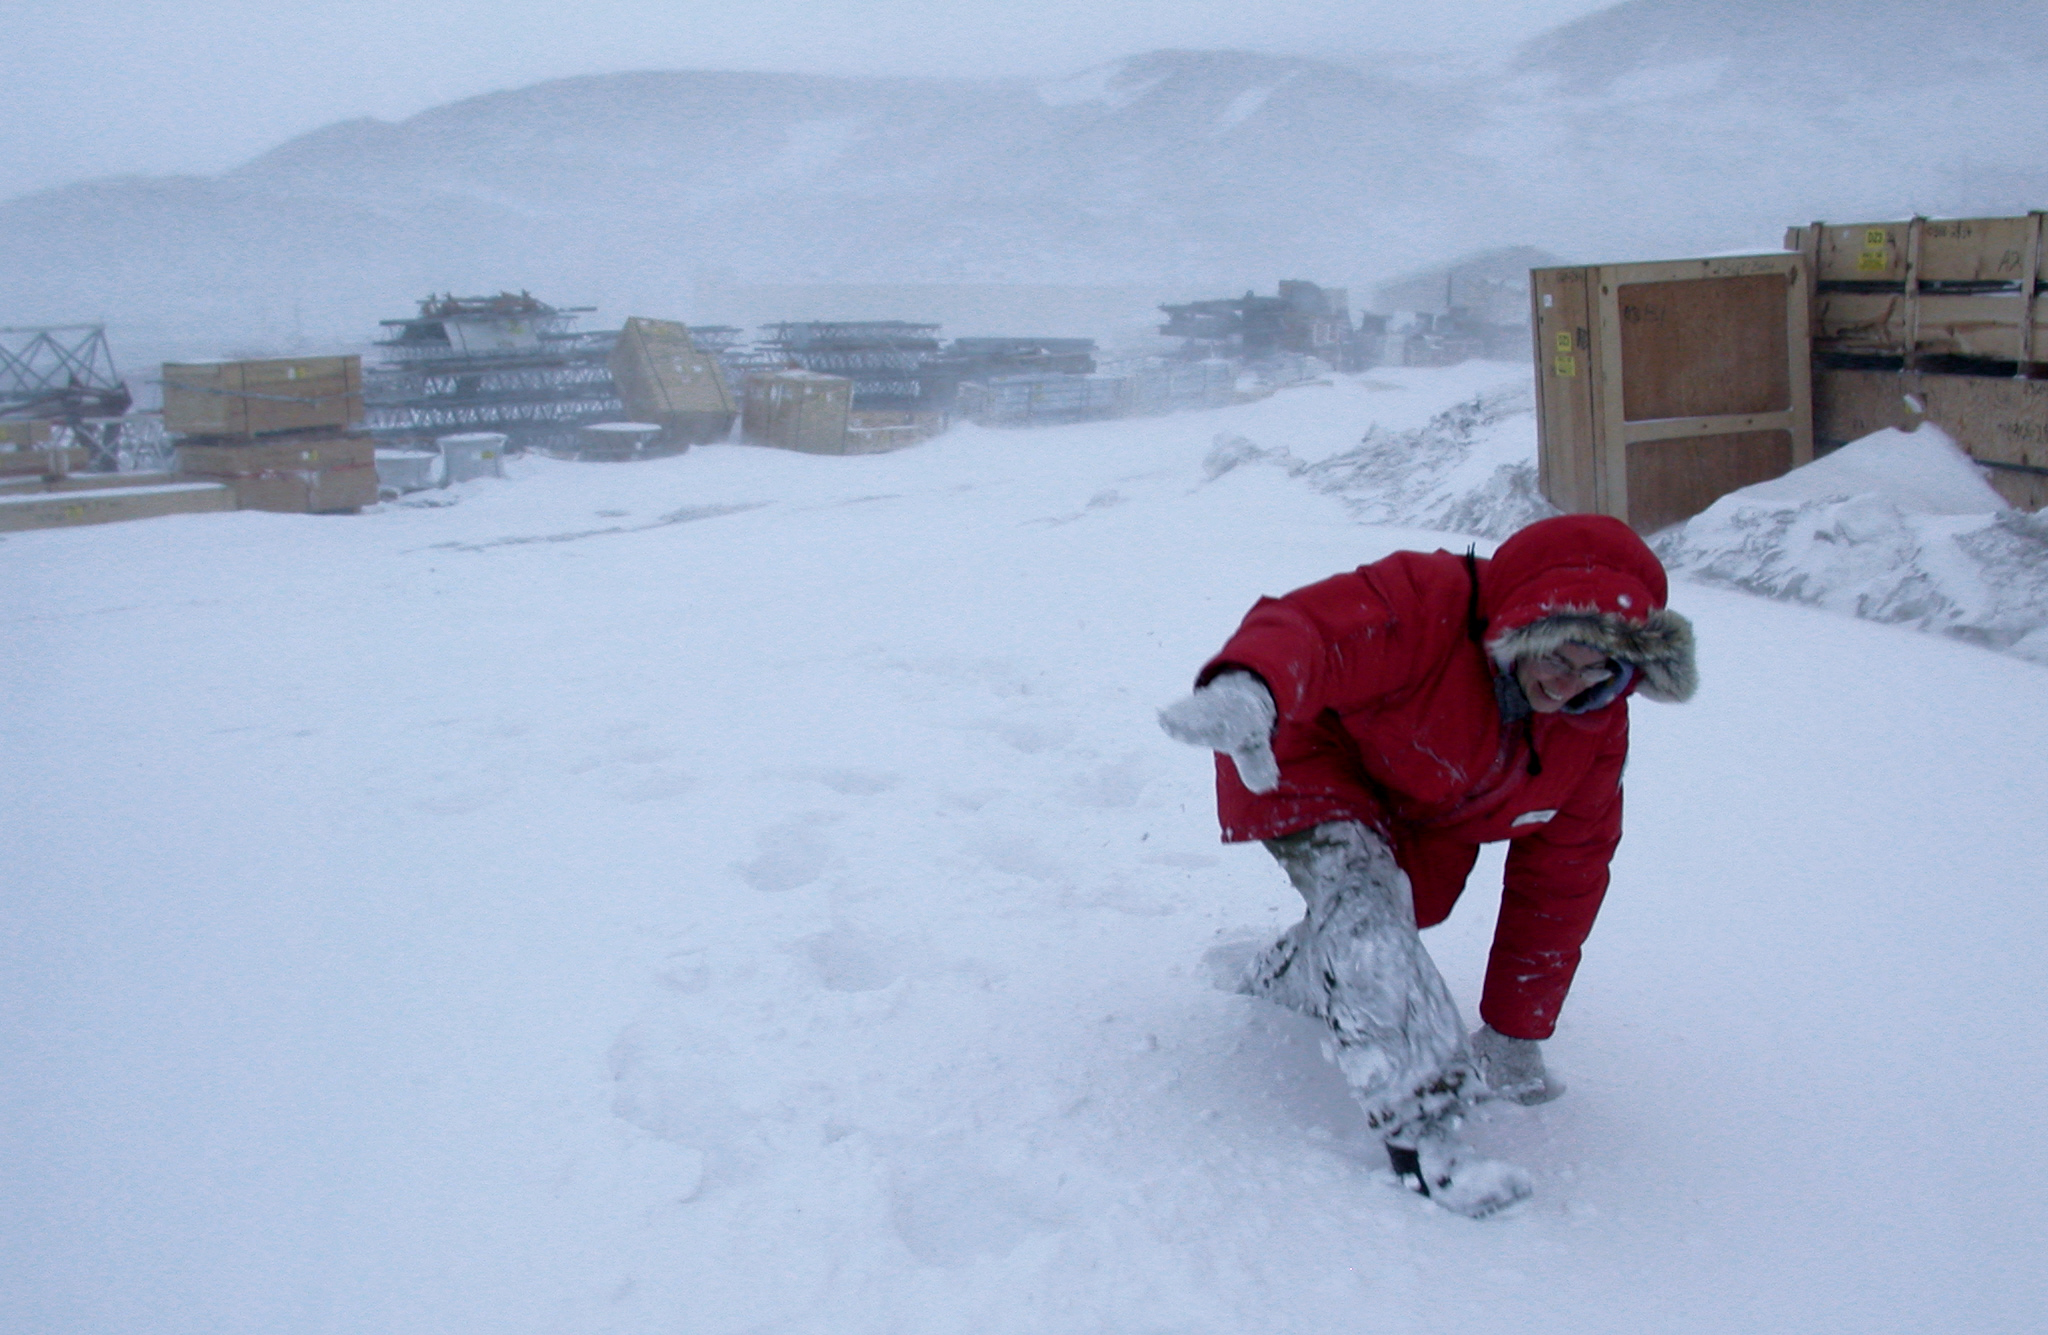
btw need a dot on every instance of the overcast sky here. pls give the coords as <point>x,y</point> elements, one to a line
<point>104,87</point>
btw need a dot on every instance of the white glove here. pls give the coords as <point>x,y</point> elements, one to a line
<point>1233,714</point>
<point>1513,1067</point>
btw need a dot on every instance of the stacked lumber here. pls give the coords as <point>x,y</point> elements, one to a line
<point>283,434</point>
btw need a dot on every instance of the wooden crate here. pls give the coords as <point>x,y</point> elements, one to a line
<point>798,410</point>
<point>663,377</point>
<point>296,475</point>
<point>1927,290</point>
<point>260,398</point>
<point>41,462</point>
<point>71,507</point>
<point>1663,386</point>
<point>28,434</point>
<point>2001,421</point>
<point>877,431</point>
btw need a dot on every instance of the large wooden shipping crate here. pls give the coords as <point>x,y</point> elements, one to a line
<point>2001,421</point>
<point>663,377</point>
<point>1927,292</point>
<point>262,397</point>
<point>1663,386</point>
<point>306,474</point>
<point>798,410</point>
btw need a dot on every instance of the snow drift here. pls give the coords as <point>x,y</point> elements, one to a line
<point>1895,527</point>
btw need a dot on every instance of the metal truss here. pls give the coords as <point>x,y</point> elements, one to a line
<point>384,419</point>
<point>61,370</point>
<point>413,385</point>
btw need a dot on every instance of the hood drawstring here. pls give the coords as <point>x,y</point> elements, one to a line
<point>1475,624</point>
<point>1475,627</point>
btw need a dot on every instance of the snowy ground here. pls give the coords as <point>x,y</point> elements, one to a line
<point>748,892</point>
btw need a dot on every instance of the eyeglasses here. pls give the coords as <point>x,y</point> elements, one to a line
<point>1591,674</point>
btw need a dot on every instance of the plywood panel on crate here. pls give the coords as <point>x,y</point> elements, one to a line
<point>1849,405</point>
<point>1703,349</point>
<point>2000,421</point>
<point>1673,480</point>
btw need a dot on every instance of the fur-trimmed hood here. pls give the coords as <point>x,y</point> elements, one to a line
<point>1587,579</point>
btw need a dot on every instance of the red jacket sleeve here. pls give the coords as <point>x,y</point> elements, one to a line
<point>1555,881</point>
<point>1331,644</point>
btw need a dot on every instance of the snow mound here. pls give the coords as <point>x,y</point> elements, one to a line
<point>1896,527</point>
<point>1470,469</point>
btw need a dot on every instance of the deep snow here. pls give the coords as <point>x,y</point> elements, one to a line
<point>748,892</point>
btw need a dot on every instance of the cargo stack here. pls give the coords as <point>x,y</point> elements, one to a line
<point>1935,319</point>
<point>663,377</point>
<point>799,410</point>
<point>43,485</point>
<point>284,434</point>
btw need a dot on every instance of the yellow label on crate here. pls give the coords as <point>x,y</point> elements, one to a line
<point>1565,364</point>
<point>1873,261</point>
<point>1875,236</point>
<point>1564,342</point>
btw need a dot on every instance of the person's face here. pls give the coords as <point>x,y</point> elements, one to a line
<point>1551,680</point>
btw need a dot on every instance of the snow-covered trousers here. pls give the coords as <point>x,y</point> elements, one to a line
<point>1357,963</point>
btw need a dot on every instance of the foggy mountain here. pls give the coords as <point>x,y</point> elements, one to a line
<point>1654,128</point>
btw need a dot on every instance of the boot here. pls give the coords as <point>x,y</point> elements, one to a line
<point>1431,1161</point>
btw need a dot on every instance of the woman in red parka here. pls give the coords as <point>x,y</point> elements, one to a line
<point>1376,728</point>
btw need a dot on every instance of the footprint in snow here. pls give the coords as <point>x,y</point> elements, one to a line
<point>651,785</point>
<point>847,959</point>
<point>793,854</point>
<point>950,1211</point>
<point>856,783</point>
<point>1111,787</point>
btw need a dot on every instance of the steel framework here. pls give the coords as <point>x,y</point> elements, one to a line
<point>62,372</point>
<point>508,363</point>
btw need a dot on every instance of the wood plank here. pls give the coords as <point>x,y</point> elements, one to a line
<point>72,509</point>
<point>1871,323</point>
<point>1561,324</point>
<point>1692,428</point>
<point>1975,250</point>
<point>1983,325</point>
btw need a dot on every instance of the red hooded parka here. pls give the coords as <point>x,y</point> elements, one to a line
<point>1384,680</point>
